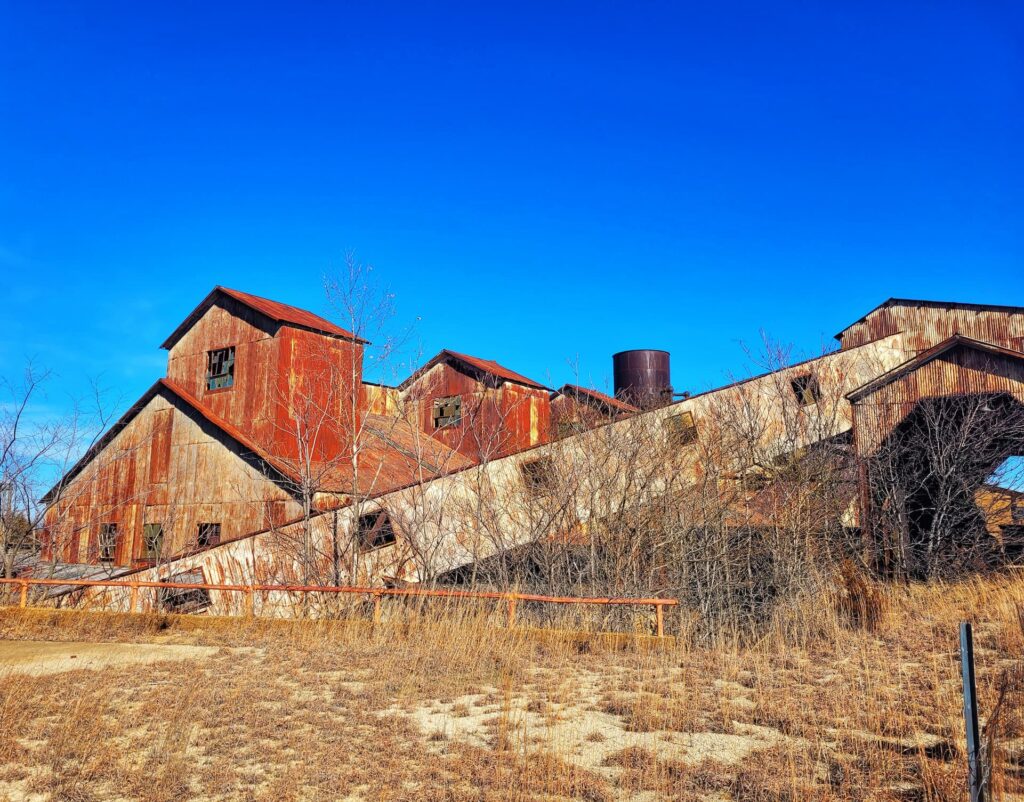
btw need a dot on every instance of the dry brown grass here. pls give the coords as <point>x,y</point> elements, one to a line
<point>448,707</point>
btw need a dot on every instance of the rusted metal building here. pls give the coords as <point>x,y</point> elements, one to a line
<point>922,324</point>
<point>575,409</point>
<point>211,466</point>
<point>263,408</point>
<point>481,409</point>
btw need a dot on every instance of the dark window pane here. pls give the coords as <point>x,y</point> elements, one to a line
<point>209,534</point>
<point>447,411</point>
<point>538,475</point>
<point>806,389</point>
<point>152,541</point>
<point>184,600</point>
<point>108,542</point>
<point>375,531</point>
<point>220,368</point>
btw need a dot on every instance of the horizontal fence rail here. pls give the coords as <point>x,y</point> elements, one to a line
<point>510,597</point>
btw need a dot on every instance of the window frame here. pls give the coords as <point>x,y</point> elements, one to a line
<point>681,435</point>
<point>368,534</point>
<point>106,542</point>
<point>446,421</point>
<point>805,386</point>
<point>147,541</point>
<point>227,367</point>
<point>207,526</point>
<point>181,600</point>
<point>538,475</point>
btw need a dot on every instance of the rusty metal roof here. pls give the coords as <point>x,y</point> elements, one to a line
<point>395,454</point>
<point>919,302</point>
<point>392,453</point>
<point>189,400</point>
<point>274,310</point>
<point>38,568</point>
<point>588,395</point>
<point>927,356</point>
<point>488,366</point>
<point>232,431</point>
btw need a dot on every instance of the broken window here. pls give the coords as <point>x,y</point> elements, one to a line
<point>185,600</point>
<point>538,475</point>
<point>806,389</point>
<point>375,531</point>
<point>220,368</point>
<point>681,428</point>
<point>208,535</point>
<point>447,411</point>
<point>152,541</point>
<point>108,542</point>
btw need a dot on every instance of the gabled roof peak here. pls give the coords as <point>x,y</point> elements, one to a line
<point>586,393</point>
<point>920,302</point>
<point>488,366</point>
<point>927,356</point>
<point>274,310</point>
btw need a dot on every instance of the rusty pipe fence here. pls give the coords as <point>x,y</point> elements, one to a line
<point>375,594</point>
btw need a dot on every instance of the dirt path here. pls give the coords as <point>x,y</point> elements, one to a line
<point>45,657</point>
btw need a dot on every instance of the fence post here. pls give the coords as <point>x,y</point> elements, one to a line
<point>974,767</point>
<point>250,604</point>
<point>659,613</point>
<point>376,609</point>
<point>511,611</point>
<point>133,598</point>
<point>24,594</point>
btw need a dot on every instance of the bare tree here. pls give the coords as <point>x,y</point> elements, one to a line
<point>924,483</point>
<point>37,445</point>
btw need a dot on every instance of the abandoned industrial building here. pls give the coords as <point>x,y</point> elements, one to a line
<point>262,456</point>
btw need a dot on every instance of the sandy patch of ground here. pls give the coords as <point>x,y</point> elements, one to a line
<point>37,658</point>
<point>573,729</point>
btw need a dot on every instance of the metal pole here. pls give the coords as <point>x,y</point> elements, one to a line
<point>974,775</point>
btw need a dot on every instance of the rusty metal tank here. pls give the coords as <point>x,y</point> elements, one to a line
<point>643,377</point>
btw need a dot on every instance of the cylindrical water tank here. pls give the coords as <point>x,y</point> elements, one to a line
<point>643,377</point>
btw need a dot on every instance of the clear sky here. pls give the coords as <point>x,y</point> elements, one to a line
<point>536,184</point>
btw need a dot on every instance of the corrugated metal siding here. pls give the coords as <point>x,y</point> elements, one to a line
<point>276,379</point>
<point>203,481</point>
<point>496,421</point>
<point>928,325</point>
<point>961,371</point>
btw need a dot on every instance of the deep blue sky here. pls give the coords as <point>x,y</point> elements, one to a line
<point>533,183</point>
